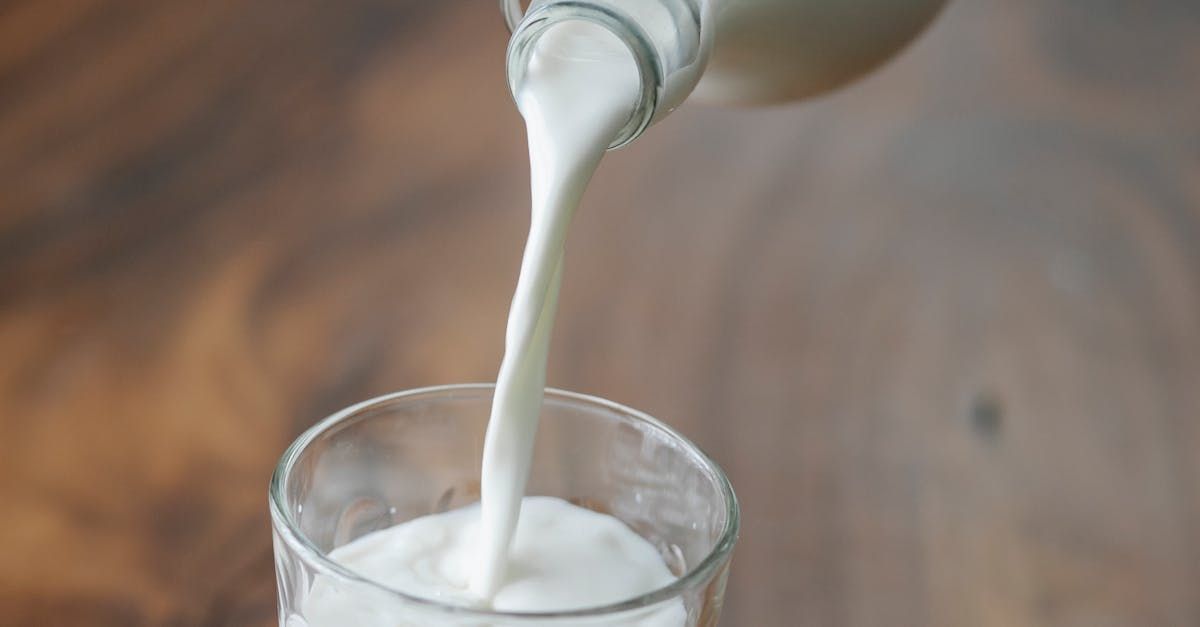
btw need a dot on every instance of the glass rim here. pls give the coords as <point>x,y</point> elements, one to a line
<point>300,543</point>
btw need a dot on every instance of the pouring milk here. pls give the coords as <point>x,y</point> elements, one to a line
<point>588,75</point>
<point>515,553</point>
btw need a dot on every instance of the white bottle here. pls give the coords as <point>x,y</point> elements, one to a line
<point>731,51</point>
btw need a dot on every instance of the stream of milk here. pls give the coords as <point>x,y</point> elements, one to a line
<point>578,92</point>
<point>511,552</point>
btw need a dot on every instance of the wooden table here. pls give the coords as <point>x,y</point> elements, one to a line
<point>942,328</point>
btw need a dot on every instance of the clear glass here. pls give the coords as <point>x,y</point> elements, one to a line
<point>409,454</point>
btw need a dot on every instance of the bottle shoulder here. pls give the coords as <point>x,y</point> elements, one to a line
<point>771,51</point>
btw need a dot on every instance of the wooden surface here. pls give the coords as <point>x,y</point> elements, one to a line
<point>942,328</point>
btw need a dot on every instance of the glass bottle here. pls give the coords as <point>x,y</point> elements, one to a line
<point>740,52</point>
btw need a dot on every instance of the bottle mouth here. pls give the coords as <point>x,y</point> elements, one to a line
<point>527,28</point>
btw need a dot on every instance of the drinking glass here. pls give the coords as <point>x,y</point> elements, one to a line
<point>404,455</point>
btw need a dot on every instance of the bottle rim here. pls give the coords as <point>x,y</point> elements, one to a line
<point>533,24</point>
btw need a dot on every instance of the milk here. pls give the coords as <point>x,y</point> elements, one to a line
<point>511,552</point>
<point>563,557</point>
<point>578,92</point>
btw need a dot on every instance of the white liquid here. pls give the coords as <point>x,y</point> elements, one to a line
<point>562,557</point>
<point>513,553</point>
<point>579,91</point>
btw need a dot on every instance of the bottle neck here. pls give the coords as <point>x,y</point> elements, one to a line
<point>665,37</point>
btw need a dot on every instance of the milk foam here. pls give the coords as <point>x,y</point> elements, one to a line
<point>562,557</point>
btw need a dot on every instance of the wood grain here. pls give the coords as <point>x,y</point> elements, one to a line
<point>942,328</point>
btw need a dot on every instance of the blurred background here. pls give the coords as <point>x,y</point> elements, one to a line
<point>941,327</point>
